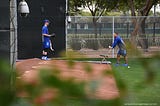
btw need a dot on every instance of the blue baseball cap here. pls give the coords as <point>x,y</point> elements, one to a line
<point>46,21</point>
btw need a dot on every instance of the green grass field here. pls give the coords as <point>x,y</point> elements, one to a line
<point>141,82</point>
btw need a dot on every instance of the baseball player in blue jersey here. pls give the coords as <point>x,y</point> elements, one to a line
<point>122,48</point>
<point>46,40</point>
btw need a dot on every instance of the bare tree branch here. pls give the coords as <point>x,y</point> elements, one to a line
<point>145,10</point>
<point>131,5</point>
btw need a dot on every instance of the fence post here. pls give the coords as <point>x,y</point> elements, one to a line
<point>13,32</point>
<point>112,36</point>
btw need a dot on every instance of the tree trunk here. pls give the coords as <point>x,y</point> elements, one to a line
<point>139,24</point>
<point>95,26</point>
<point>140,31</point>
<point>134,33</point>
<point>142,36</point>
<point>95,41</point>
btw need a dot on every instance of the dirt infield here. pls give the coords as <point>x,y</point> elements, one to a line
<point>28,70</point>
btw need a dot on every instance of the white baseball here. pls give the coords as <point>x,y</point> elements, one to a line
<point>128,66</point>
<point>110,47</point>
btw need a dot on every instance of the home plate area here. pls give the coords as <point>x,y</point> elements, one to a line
<point>28,73</point>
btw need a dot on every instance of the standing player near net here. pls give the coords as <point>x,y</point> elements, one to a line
<point>122,48</point>
<point>47,45</point>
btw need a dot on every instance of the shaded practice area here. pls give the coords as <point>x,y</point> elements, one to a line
<point>105,88</point>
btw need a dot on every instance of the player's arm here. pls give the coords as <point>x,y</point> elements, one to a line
<point>114,43</point>
<point>45,32</point>
<point>46,35</point>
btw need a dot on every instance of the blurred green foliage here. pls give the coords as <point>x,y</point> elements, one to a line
<point>138,84</point>
<point>7,92</point>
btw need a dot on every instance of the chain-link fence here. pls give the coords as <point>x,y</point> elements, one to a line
<point>92,35</point>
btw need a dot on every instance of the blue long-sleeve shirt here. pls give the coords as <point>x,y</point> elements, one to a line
<point>45,31</point>
<point>119,42</point>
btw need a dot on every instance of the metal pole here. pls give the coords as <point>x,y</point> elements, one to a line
<point>13,32</point>
<point>127,29</point>
<point>13,38</point>
<point>66,24</point>
<point>113,36</point>
<point>154,24</point>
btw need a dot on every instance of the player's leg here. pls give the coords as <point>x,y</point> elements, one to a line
<point>46,46</point>
<point>118,58</point>
<point>124,53</point>
<point>125,59</point>
<point>44,54</point>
